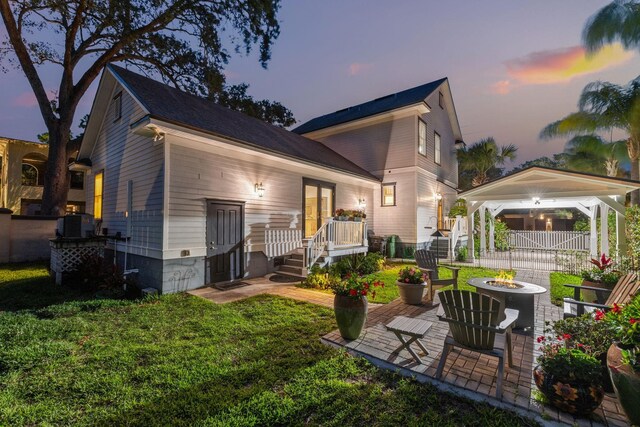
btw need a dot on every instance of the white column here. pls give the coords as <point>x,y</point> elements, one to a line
<point>604,228</point>
<point>621,238</point>
<point>471,253</point>
<point>483,232</point>
<point>492,234</point>
<point>593,241</point>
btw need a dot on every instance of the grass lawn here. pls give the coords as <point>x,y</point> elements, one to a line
<point>390,274</point>
<point>67,359</point>
<point>558,291</point>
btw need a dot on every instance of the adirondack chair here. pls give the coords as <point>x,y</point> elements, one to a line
<point>627,286</point>
<point>427,263</point>
<point>473,325</point>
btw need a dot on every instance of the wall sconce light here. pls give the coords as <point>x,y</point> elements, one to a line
<point>259,189</point>
<point>362,203</point>
<point>437,196</point>
<point>536,200</point>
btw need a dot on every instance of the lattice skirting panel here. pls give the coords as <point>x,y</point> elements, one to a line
<point>65,256</point>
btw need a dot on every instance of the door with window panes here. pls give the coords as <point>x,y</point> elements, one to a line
<point>319,200</point>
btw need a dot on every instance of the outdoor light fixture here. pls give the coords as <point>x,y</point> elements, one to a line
<point>536,200</point>
<point>437,196</point>
<point>362,203</point>
<point>259,189</point>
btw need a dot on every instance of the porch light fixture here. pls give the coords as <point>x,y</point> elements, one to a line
<point>536,200</point>
<point>259,189</point>
<point>362,203</point>
<point>437,196</point>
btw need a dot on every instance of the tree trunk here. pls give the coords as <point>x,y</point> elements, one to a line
<point>635,175</point>
<point>56,178</point>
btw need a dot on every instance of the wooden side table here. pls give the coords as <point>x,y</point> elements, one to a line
<point>410,330</point>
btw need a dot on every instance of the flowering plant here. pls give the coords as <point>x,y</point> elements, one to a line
<point>625,322</point>
<point>568,360</point>
<point>339,212</point>
<point>603,271</point>
<point>412,276</point>
<point>356,287</point>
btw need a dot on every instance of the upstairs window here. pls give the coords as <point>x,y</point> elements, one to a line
<point>389,194</point>
<point>77,180</point>
<point>422,137</point>
<point>97,195</point>
<point>117,107</point>
<point>436,143</point>
<point>34,166</point>
<point>441,100</point>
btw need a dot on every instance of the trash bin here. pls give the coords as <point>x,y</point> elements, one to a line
<point>391,246</point>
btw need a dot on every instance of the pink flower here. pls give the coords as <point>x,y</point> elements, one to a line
<point>540,339</point>
<point>406,280</point>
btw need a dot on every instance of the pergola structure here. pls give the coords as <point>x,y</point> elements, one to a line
<point>544,188</point>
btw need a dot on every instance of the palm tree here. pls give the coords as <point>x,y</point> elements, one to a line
<point>483,156</point>
<point>590,153</point>
<point>604,106</point>
<point>617,21</point>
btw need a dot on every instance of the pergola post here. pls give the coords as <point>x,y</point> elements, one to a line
<point>492,233</point>
<point>604,228</point>
<point>593,240</point>
<point>483,232</point>
<point>621,238</point>
<point>471,253</point>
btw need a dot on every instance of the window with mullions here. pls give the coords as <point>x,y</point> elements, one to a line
<point>389,194</point>
<point>422,137</point>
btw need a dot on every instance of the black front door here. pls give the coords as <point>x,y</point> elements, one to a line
<point>225,245</point>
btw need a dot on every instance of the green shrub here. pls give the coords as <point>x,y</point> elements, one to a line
<point>462,254</point>
<point>633,231</point>
<point>319,278</point>
<point>359,264</point>
<point>458,208</point>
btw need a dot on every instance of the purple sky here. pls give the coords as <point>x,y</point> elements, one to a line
<point>513,66</point>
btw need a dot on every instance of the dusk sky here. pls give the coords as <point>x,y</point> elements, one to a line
<point>513,66</point>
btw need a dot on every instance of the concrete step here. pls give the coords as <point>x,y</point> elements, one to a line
<point>297,256</point>
<point>297,271</point>
<point>293,262</point>
<point>286,273</point>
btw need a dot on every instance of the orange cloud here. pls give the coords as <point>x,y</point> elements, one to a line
<point>559,66</point>
<point>358,68</point>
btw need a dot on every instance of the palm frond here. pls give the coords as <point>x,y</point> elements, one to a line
<point>617,21</point>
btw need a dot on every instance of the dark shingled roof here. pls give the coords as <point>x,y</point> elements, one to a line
<point>377,106</point>
<point>172,105</point>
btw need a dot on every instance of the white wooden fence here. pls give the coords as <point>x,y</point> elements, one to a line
<point>280,241</point>
<point>565,240</point>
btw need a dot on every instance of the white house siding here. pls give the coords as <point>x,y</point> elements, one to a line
<point>438,120</point>
<point>427,219</point>
<point>200,173</point>
<point>400,219</point>
<point>387,145</point>
<point>126,156</point>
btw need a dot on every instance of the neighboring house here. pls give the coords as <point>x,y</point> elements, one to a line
<point>205,194</point>
<point>22,168</point>
<point>408,140</point>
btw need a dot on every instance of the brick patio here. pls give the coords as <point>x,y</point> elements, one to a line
<point>467,372</point>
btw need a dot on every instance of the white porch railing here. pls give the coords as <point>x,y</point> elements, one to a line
<point>458,228</point>
<point>333,235</point>
<point>280,241</point>
<point>566,240</point>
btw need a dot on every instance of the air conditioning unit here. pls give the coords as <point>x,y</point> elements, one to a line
<point>76,225</point>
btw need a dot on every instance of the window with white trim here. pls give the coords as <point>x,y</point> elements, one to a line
<point>389,194</point>
<point>422,137</point>
<point>98,188</point>
<point>436,143</point>
<point>117,107</point>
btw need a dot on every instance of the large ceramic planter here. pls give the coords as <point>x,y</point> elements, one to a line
<point>626,383</point>
<point>570,396</point>
<point>351,314</point>
<point>411,293</point>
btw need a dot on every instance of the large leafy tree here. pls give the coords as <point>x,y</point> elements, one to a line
<point>183,41</point>
<point>557,161</point>
<point>481,161</point>
<point>605,106</point>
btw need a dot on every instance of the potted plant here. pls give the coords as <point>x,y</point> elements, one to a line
<point>623,357</point>
<point>350,303</point>
<point>359,215</point>
<point>586,331</point>
<point>411,285</point>
<point>602,275</point>
<point>568,375</point>
<point>340,215</point>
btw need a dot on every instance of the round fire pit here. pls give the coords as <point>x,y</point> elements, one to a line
<point>511,294</point>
